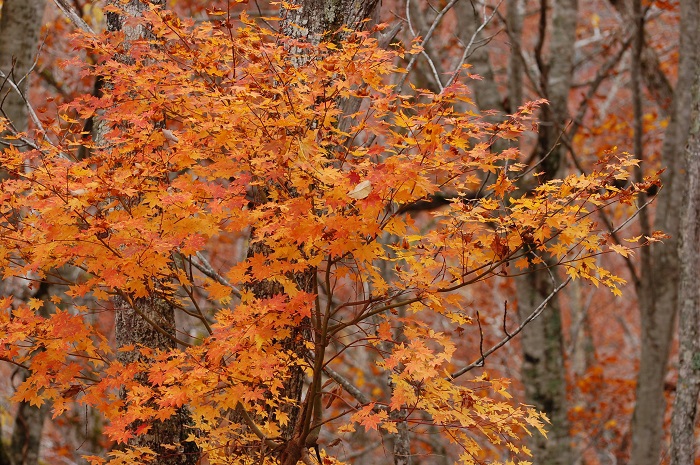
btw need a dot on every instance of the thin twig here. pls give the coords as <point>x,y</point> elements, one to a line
<point>505,314</point>
<point>481,340</point>
<point>535,313</point>
<point>467,49</point>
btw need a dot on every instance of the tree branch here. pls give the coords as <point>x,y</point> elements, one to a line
<point>74,18</point>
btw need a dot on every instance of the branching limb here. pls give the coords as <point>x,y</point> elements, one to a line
<point>537,311</point>
<point>30,109</point>
<point>347,386</point>
<point>467,49</point>
<point>431,64</point>
<point>202,264</point>
<point>425,40</point>
<point>254,428</point>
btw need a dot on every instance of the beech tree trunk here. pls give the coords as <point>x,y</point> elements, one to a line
<point>658,289</point>
<point>688,386</point>
<point>20,25</point>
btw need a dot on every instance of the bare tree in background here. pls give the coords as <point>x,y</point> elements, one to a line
<point>688,386</point>
<point>543,371</point>
<point>20,27</point>
<point>659,274</point>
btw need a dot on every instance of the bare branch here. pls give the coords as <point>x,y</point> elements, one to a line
<point>74,18</point>
<point>535,313</point>
<point>436,75</point>
<point>468,48</point>
<point>347,386</point>
<point>32,113</point>
<point>425,40</point>
<point>202,264</point>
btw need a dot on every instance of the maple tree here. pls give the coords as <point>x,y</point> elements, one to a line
<point>218,132</point>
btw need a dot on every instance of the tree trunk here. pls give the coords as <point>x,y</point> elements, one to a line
<point>318,17</point>
<point>543,370</point>
<point>26,434</point>
<point>688,386</point>
<point>515,62</point>
<point>310,21</point>
<point>20,25</point>
<point>653,76</point>
<point>166,438</point>
<point>133,325</point>
<point>543,367</point>
<point>657,292</point>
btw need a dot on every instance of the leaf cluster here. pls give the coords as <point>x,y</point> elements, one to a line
<point>214,133</point>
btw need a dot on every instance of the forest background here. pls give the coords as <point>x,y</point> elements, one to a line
<point>617,76</point>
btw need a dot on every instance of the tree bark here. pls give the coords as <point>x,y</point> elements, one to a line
<point>543,370</point>
<point>688,386</point>
<point>150,322</point>
<point>166,438</point>
<point>20,25</point>
<point>25,444</point>
<point>515,15</point>
<point>311,21</point>
<point>315,18</point>
<point>655,80</point>
<point>658,288</point>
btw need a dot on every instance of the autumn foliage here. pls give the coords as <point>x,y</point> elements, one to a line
<point>218,132</point>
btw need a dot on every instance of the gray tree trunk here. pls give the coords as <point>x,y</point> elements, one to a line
<point>166,438</point>
<point>151,321</point>
<point>543,370</point>
<point>20,25</point>
<point>25,444</point>
<point>515,15</point>
<point>654,78</point>
<point>657,292</point>
<point>313,20</point>
<point>319,17</point>
<point>688,386</point>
